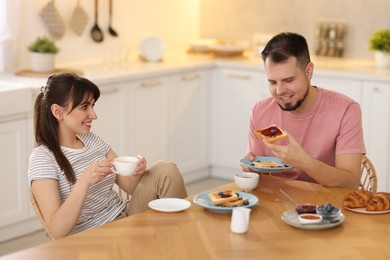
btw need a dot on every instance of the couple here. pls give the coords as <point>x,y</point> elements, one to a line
<point>70,169</point>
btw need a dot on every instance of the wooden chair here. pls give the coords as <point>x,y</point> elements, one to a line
<point>39,215</point>
<point>368,180</point>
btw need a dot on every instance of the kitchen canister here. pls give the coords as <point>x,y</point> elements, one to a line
<point>53,20</point>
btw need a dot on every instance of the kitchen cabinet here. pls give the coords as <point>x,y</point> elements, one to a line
<point>168,119</point>
<point>376,124</point>
<point>189,127</point>
<point>348,87</point>
<point>111,110</point>
<point>147,119</point>
<point>234,94</point>
<point>16,217</point>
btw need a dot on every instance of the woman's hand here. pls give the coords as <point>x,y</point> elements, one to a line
<point>96,172</point>
<point>141,167</point>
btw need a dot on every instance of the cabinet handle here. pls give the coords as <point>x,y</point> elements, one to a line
<point>190,77</point>
<point>151,84</point>
<point>375,89</point>
<point>106,91</point>
<point>238,76</point>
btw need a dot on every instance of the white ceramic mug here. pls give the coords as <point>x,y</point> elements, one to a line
<point>247,181</point>
<point>125,165</point>
<point>240,220</point>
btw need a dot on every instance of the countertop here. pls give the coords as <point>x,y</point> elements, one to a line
<point>181,61</point>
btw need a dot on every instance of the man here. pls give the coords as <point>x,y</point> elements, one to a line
<point>325,137</point>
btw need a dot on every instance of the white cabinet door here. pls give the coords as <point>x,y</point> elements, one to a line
<point>13,186</point>
<point>111,115</point>
<point>189,134</point>
<point>350,88</point>
<point>147,119</point>
<point>376,122</point>
<point>235,93</point>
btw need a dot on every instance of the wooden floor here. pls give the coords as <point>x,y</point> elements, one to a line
<point>40,237</point>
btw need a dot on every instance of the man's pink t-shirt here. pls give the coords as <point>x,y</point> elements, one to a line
<point>332,127</point>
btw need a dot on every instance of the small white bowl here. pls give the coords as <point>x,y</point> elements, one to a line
<point>246,180</point>
<point>309,218</point>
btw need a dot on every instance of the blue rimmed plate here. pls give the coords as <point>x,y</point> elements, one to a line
<point>247,163</point>
<point>202,199</point>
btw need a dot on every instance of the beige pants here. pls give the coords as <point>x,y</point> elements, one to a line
<point>162,180</point>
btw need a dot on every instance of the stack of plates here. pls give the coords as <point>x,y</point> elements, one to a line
<point>201,45</point>
<point>229,48</point>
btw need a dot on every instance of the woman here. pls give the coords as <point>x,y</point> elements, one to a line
<point>70,169</point>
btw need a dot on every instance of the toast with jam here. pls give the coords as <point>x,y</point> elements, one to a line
<point>219,197</point>
<point>236,203</point>
<point>271,133</point>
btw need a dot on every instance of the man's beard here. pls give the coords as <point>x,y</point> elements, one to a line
<point>291,107</point>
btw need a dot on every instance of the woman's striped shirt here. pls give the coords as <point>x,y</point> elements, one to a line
<point>102,203</point>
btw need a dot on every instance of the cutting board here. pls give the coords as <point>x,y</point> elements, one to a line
<point>30,73</point>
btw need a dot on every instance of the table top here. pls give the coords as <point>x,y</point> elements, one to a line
<point>198,233</point>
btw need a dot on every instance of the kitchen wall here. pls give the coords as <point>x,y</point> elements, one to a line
<point>176,22</point>
<point>240,19</point>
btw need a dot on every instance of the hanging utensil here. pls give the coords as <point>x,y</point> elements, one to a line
<point>96,33</point>
<point>53,20</point>
<point>110,29</point>
<point>79,19</point>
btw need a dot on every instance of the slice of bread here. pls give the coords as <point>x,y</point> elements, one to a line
<point>267,164</point>
<point>271,133</point>
<point>236,203</point>
<point>220,197</point>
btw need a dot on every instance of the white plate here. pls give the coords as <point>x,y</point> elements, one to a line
<point>291,218</point>
<point>365,211</point>
<point>202,199</point>
<point>152,48</point>
<point>202,44</point>
<point>169,205</point>
<point>246,163</point>
<point>227,48</point>
<point>234,46</point>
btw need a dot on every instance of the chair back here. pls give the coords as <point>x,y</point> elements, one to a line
<point>39,214</point>
<point>368,180</point>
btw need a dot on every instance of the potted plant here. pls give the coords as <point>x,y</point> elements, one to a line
<point>380,43</point>
<point>42,53</point>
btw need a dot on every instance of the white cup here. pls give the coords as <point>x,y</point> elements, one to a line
<point>247,181</point>
<point>125,165</point>
<point>240,220</point>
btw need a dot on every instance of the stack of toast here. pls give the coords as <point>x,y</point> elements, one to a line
<point>227,198</point>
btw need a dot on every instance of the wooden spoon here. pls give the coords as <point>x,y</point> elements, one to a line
<point>96,32</point>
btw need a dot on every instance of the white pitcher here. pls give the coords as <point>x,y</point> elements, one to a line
<point>240,220</point>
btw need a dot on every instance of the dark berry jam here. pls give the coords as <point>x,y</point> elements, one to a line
<point>271,131</point>
<point>306,208</point>
<point>224,195</point>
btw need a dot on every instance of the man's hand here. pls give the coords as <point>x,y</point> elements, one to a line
<point>291,153</point>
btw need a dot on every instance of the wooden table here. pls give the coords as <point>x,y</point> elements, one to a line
<point>197,233</point>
